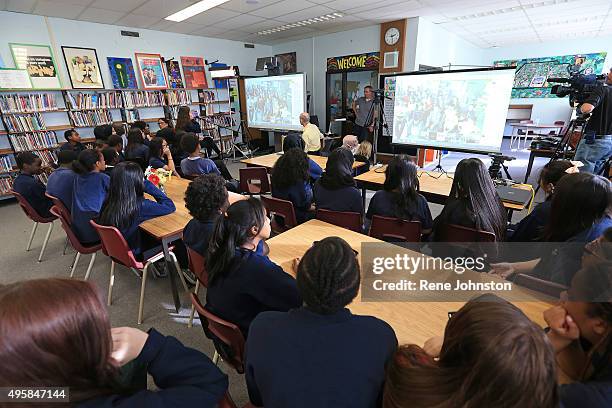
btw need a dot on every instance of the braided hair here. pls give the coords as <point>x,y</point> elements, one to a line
<point>328,276</point>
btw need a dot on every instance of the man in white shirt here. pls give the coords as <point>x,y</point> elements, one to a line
<point>311,135</point>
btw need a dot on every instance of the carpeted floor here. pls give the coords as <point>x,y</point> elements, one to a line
<point>17,264</point>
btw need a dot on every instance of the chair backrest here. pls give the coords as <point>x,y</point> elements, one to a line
<point>29,211</point>
<point>344,219</point>
<point>457,233</point>
<point>552,289</point>
<point>386,228</point>
<point>250,174</point>
<point>197,265</point>
<point>281,208</point>
<point>60,206</point>
<point>226,332</point>
<point>66,222</point>
<point>115,246</point>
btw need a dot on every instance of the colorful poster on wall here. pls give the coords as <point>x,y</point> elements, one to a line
<point>174,74</point>
<point>122,72</point>
<point>366,61</point>
<point>151,71</point>
<point>194,72</point>
<point>39,62</point>
<point>83,67</point>
<point>288,62</point>
<point>531,78</point>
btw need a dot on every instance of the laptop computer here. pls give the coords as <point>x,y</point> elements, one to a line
<point>513,195</point>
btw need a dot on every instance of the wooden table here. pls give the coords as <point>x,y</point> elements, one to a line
<point>169,228</point>
<point>413,322</point>
<point>269,160</point>
<point>527,127</point>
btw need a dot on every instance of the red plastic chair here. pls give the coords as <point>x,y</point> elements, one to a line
<point>32,214</point>
<point>59,204</point>
<point>228,402</point>
<point>457,233</point>
<point>197,265</point>
<point>344,219</point>
<point>64,217</point>
<point>280,208</point>
<point>226,332</point>
<point>116,248</point>
<point>386,228</point>
<point>552,289</point>
<point>250,174</point>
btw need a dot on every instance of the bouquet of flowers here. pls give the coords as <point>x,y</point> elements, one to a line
<point>158,177</point>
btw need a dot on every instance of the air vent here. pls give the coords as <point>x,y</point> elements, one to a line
<point>130,33</point>
<point>249,45</point>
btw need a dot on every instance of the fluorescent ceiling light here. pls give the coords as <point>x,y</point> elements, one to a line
<point>320,19</point>
<point>194,9</point>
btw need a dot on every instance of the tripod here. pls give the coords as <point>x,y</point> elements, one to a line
<point>376,112</point>
<point>243,129</point>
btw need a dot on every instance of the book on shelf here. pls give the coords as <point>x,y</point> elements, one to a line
<point>24,123</point>
<point>91,118</point>
<point>7,163</point>
<point>130,116</point>
<point>17,103</point>
<point>43,177</point>
<point>178,97</point>
<point>143,99</point>
<point>225,120</point>
<point>6,184</point>
<point>98,100</point>
<point>49,158</point>
<point>206,96</point>
<point>28,141</point>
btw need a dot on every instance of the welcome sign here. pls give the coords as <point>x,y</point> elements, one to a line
<point>356,62</point>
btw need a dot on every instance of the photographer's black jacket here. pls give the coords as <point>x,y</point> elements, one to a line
<point>601,117</point>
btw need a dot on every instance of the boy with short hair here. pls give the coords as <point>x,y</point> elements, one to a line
<point>61,181</point>
<point>195,164</point>
<point>73,142</point>
<point>28,186</point>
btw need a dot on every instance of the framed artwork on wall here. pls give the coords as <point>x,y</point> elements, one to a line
<point>39,62</point>
<point>194,72</point>
<point>174,74</point>
<point>122,72</point>
<point>288,62</point>
<point>83,67</point>
<point>151,71</point>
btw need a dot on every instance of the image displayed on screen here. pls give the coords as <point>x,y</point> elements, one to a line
<point>275,102</point>
<point>453,110</point>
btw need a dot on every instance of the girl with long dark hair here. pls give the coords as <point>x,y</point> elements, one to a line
<point>136,148</point>
<point>290,181</point>
<point>492,355</point>
<point>241,281</point>
<point>160,156</point>
<point>125,206</point>
<point>186,123</point>
<point>400,196</point>
<point>64,339</point>
<point>336,190</point>
<point>473,202</point>
<point>292,141</point>
<point>89,192</point>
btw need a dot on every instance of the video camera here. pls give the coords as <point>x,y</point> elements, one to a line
<point>579,88</point>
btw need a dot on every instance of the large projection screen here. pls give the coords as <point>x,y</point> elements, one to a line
<point>462,110</point>
<point>275,102</point>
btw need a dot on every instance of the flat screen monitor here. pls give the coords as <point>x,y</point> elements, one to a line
<point>461,110</point>
<point>275,102</point>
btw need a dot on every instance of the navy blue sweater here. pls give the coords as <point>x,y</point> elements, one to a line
<point>314,170</point>
<point>300,195</point>
<point>185,378</point>
<point>304,359</point>
<point>254,284</point>
<point>383,204</point>
<point>343,199</point>
<point>589,394</point>
<point>530,228</point>
<point>34,192</point>
<point>89,192</point>
<point>60,185</point>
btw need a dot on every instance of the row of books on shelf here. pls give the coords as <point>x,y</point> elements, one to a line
<point>141,99</point>
<point>98,100</point>
<point>207,96</point>
<point>226,120</point>
<point>16,103</point>
<point>7,163</point>
<point>29,141</point>
<point>91,118</point>
<point>49,158</point>
<point>6,184</point>
<point>25,123</point>
<point>130,116</point>
<point>178,97</point>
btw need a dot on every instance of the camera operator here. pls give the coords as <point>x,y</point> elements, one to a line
<point>596,145</point>
<point>362,107</point>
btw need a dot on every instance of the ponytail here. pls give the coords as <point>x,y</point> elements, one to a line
<point>231,232</point>
<point>86,161</point>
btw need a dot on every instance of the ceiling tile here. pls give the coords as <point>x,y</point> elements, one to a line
<point>236,35</point>
<point>21,6</point>
<point>100,16</point>
<point>314,11</point>
<point>57,9</point>
<point>397,7</point>
<point>135,20</point>
<point>161,8</point>
<point>118,5</point>
<point>212,16</point>
<point>184,28</point>
<point>242,6</point>
<point>264,25</point>
<point>241,22</point>
<point>163,25</point>
<point>282,8</point>
<point>209,31</point>
<point>346,4</point>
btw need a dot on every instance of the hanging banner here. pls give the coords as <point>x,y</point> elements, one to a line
<point>368,61</point>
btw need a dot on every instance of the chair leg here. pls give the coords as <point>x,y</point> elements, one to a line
<point>65,246</point>
<point>142,292</point>
<point>178,270</point>
<point>215,358</point>
<point>76,261</point>
<point>91,262</point>
<point>44,246</point>
<point>197,289</point>
<point>111,282</point>
<point>31,236</point>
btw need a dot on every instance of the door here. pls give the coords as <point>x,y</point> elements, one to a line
<point>334,98</point>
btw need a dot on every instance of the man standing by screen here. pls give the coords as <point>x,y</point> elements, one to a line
<point>311,135</point>
<point>362,107</point>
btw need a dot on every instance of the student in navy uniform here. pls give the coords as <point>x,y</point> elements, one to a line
<point>330,357</point>
<point>111,159</point>
<point>90,187</point>
<point>73,141</point>
<point>126,208</point>
<point>102,133</point>
<point>473,202</point>
<point>116,142</point>
<point>64,338</point>
<point>400,196</point>
<point>290,181</point>
<point>61,182</point>
<point>28,186</point>
<point>160,156</point>
<point>336,190</point>
<point>531,227</point>
<point>144,128</point>
<point>292,141</point>
<point>195,165</point>
<point>241,282</point>
<point>491,355</point>
<point>136,148</point>
<point>185,123</point>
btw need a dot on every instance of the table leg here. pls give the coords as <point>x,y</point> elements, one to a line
<point>510,213</point>
<point>363,197</point>
<point>170,267</point>
<point>529,166</point>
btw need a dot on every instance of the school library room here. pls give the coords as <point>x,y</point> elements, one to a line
<point>306,203</point>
